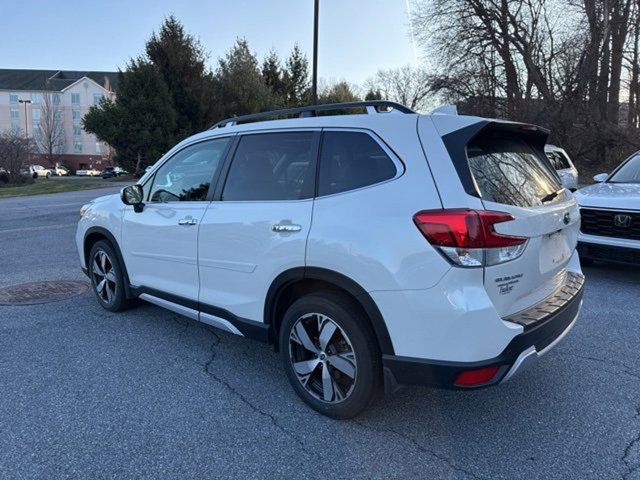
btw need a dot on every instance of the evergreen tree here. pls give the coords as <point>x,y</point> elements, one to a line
<point>141,123</point>
<point>239,85</point>
<point>373,95</point>
<point>339,93</point>
<point>273,76</point>
<point>181,60</point>
<point>296,77</point>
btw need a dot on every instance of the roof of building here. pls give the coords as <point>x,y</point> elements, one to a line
<point>52,80</point>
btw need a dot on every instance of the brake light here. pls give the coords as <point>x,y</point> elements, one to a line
<point>468,237</point>
<point>470,378</point>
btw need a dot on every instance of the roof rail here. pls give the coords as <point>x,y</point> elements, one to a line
<point>371,106</point>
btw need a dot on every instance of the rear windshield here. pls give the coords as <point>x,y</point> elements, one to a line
<point>557,160</point>
<point>508,170</point>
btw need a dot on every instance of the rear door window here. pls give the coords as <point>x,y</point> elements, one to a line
<point>351,160</point>
<point>509,170</point>
<point>271,166</point>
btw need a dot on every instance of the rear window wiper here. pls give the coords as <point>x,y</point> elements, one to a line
<point>550,196</point>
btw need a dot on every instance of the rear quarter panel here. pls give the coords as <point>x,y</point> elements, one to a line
<point>369,235</point>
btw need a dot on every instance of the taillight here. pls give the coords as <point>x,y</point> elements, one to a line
<point>467,237</point>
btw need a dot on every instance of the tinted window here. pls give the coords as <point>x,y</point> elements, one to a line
<point>629,172</point>
<point>557,160</point>
<point>508,170</point>
<point>187,175</point>
<point>351,160</point>
<point>270,166</point>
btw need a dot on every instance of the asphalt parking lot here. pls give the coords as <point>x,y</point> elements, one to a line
<point>85,393</point>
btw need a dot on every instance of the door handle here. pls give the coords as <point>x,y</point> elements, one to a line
<point>187,221</point>
<point>286,227</point>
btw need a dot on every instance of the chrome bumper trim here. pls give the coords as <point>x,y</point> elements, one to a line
<point>529,355</point>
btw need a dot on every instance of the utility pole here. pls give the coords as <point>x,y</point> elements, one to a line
<point>314,75</point>
<point>26,131</point>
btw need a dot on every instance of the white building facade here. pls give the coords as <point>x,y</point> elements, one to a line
<point>29,98</point>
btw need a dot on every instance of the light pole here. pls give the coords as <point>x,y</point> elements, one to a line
<point>26,131</point>
<point>314,74</point>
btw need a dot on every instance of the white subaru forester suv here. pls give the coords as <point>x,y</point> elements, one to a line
<point>372,249</point>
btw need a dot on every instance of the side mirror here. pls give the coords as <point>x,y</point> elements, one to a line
<point>133,195</point>
<point>601,177</point>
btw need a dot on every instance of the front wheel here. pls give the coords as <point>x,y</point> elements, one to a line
<point>330,354</point>
<point>107,277</point>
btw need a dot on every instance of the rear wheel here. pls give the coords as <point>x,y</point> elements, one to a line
<point>330,354</point>
<point>107,277</point>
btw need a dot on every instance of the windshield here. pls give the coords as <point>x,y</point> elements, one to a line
<point>629,172</point>
<point>508,170</point>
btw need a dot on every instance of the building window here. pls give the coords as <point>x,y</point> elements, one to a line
<point>98,147</point>
<point>77,131</point>
<point>15,128</point>
<point>97,97</point>
<point>35,115</point>
<point>56,99</point>
<point>13,98</point>
<point>15,114</point>
<point>36,98</point>
<point>76,116</point>
<point>77,147</point>
<point>58,115</point>
<point>75,98</point>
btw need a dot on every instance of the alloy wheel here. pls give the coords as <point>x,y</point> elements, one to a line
<point>104,276</point>
<point>322,358</point>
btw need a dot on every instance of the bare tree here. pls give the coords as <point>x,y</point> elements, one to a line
<point>14,154</point>
<point>564,64</point>
<point>633,69</point>
<point>407,85</point>
<point>51,139</point>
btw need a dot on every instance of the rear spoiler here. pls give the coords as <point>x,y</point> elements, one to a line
<point>456,144</point>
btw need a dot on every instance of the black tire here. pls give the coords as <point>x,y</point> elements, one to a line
<point>352,325</point>
<point>586,262</point>
<point>114,299</point>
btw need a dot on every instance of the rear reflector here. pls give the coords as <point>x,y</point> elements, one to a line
<point>471,378</point>
<point>468,237</point>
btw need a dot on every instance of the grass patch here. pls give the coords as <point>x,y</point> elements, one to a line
<point>55,185</point>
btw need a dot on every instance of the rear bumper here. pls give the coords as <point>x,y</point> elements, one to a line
<point>609,253</point>
<point>536,340</point>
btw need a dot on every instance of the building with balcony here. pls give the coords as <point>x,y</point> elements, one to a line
<point>36,103</point>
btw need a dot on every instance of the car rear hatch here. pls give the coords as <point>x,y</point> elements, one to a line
<point>530,221</point>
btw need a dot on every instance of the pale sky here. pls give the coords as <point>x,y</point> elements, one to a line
<point>356,37</point>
